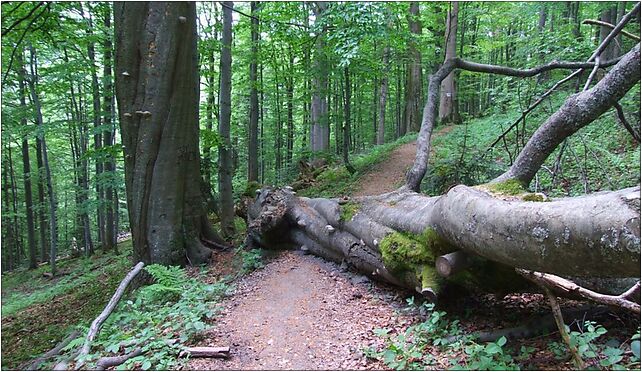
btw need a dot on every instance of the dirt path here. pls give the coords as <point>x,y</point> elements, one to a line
<point>389,174</point>
<point>304,313</point>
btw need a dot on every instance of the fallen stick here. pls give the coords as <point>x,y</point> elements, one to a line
<point>51,353</point>
<point>567,286</point>
<point>206,352</point>
<point>98,322</point>
<point>106,362</point>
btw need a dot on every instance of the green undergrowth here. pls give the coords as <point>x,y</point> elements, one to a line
<point>38,312</point>
<point>161,319</point>
<point>600,156</point>
<point>337,181</point>
<point>439,342</point>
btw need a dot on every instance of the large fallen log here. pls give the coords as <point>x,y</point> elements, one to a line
<point>397,237</point>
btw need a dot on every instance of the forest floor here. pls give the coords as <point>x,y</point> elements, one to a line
<point>304,313</point>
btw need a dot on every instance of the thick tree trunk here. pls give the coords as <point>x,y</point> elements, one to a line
<point>448,101</point>
<point>398,236</point>
<point>226,166</point>
<point>157,92</point>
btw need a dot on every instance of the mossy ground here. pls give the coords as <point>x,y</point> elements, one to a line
<point>40,312</point>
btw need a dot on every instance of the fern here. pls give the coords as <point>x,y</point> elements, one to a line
<point>170,283</point>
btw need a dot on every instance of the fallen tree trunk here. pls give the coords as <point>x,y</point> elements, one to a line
<point>397,237</point>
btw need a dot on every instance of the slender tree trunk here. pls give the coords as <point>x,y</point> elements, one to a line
<point>319,108</point>
<point>19,252</point>
<point>42,220</point>
<point>414,76</point>
<point>383,95</point>
<point>26,167</point>
<point>448,101</point>
<point>158,113</point>
<point>95,93</point>
<point>53,229</point>
<point>109,166</point>
<point>226,171</point>
<point>253,143</point>
<point>347,125</point>
<point>290,107</point>
<point>278,143</point>
<point>8,226</point>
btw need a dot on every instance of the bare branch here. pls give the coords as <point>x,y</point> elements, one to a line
<point>568,287</point>
<point>625,123</point>
<point>51,353</point>
<point>98,322</point>
<point>606,24</point>
<point>561,327</point>
<point>106,362</point>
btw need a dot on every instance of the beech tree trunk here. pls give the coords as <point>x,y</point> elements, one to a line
<point>412,113</point>
<point>448,101</point>
<point>35,100</point>
<point>157,89</point>
<point>320,130</point>
<point>26,168</point>
<point>253,144</point>
<point>383,95</point>
<point>109,166</point>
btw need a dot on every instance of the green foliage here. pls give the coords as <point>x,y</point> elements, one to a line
<point>337,181</point>
<point>251,260</point>
<point>160,319</point>
<point>607,355</point>
<point>413,349</point>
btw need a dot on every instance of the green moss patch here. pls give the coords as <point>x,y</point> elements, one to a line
<point>508,187</point>
<point>348,211</point>
<point>535,197</point>
<point>404,251</point>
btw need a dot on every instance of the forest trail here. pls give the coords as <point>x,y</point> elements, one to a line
<point>304,313</point>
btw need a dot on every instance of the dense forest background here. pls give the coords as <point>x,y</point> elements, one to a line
<point>62,161</point>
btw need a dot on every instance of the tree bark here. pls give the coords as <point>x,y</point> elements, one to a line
<point>412,113</point>
<point>448,101</point>
<point>253,143</point>
<point>109,166</point>
<point>383,95</point>
<point>53,229</point>
<point>26,168</point>
<point>226,166</point>
<point>346,127</point>
<point>319,132</point>
<point>157,92</point>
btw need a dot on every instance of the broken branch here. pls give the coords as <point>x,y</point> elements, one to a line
<point>606,24</point>
<point>98,322</point>
<point>568,287</point>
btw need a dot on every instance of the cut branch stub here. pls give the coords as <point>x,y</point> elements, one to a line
<point>452,263</point>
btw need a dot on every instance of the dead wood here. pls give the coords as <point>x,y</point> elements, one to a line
<point>106,362</point>
<point>568,287</point>
<point>206,352</point>
<point>98,322</point>
<point>51,353</point>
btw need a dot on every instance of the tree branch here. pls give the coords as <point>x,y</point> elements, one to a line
<point>106,362</point>
<point>98,322</point>
<point>259,19</point>
<point>51,353</point>
<point>577,111</point>
<point>17,22</point>
<point>606,24</point>
<point>568,287</point>
<point>625,123</point>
